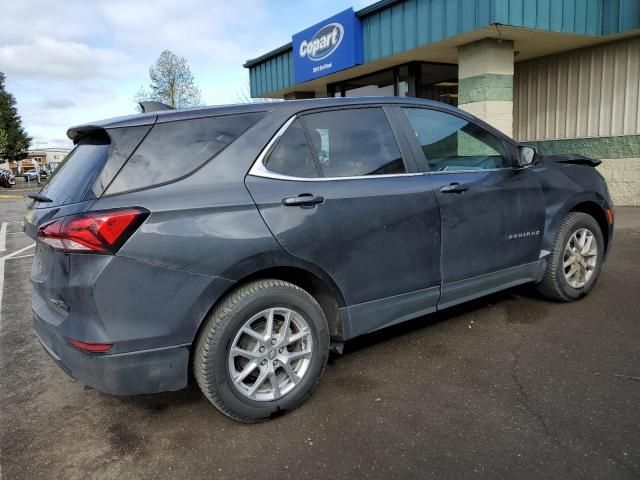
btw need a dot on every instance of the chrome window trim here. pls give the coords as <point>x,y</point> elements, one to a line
<point>443,172</point>
<point>258,169</point>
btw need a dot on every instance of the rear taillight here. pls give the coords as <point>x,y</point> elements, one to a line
<point>92,232</point>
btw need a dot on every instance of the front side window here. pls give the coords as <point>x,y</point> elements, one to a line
<point>354,142</point>
<point>451,143</point>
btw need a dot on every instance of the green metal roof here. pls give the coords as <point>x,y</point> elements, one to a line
<point>394,26</point>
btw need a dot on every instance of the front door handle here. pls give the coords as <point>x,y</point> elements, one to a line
<point>304,200</point>
<point>454,188</point>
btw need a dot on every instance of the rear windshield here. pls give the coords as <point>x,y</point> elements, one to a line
<point>71,181</point>
<point>175,149</point>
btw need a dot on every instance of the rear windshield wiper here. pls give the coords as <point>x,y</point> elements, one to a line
<point>39,198</point>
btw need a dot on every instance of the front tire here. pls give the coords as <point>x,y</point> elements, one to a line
<point>576,260</point>
<point>262,350</point>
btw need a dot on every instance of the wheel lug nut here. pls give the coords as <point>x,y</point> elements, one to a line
<point>264,362</point>
<point>261,349</point>
<point>281,350</point>
<point>273,341</point>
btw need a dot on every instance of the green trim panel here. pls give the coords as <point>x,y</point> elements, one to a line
<point>625,146</point>
<point>487,87</point>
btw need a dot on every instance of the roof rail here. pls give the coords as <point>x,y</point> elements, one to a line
<point>154,107</point>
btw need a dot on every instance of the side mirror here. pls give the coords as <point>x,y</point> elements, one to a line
<point>526,155</point>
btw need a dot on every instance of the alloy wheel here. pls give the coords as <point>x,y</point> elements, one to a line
<point>580,258</point>
<point>270,354</point>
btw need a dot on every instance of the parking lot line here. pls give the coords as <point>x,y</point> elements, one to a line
<point>3,236</point>
<point>21,256</point>
<point>17,252</point>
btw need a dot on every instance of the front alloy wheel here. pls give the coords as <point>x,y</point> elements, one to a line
<point>580,258</point>
<point>576,260</point>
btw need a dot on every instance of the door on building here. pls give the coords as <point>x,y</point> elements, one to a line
<point>340,189</point>
<point>492,213</point>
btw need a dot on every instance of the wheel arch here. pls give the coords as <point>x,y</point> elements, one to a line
<point>321,287</point>
<point>590,206</point>
<point>594,210</point>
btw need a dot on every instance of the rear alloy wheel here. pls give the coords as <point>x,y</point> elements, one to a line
<point>575,263</point>
<point>262,350</point>
<point>270,354</point>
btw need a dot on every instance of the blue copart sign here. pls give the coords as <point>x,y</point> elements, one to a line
<point>328,47</point>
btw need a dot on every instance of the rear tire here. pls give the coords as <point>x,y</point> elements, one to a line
<point>237,350</point>
<point>576,260</point>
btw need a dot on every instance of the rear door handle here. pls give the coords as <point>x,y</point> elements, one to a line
<point>454,188</point>
<point>307,200</point>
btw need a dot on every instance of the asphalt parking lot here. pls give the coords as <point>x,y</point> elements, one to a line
<point>511,386</point>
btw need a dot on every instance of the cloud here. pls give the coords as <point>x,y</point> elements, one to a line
<point>49,58</point>
<point>76,61</point>
<point>56,104</point>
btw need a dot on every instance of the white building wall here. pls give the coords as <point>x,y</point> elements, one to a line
<point>586,101</point>
<point>591,92</point>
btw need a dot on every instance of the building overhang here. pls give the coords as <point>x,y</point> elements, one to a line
<point>398,31</point>
<point>528,43</point>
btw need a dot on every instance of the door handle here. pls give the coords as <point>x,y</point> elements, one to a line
<point>304,200</point>
<point>454,188</point>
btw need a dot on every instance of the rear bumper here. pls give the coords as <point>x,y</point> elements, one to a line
<point>129,373</point>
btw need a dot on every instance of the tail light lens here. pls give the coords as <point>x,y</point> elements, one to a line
<point>93,232</point>
<point>90,347</point>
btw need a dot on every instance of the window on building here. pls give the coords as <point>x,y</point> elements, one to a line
<point>354,142</point>
<point>451,143</point>
<point>292,154</point>
<point>438,82</point>
<point>177,148</point>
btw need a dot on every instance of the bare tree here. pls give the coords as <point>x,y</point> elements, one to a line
<point>243,95</point>
<point>171,82</point>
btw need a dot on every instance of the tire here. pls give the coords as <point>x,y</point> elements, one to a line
<point>225,328</point>
<point>555,284</point>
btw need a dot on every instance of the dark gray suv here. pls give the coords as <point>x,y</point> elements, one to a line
<point>244,242</point>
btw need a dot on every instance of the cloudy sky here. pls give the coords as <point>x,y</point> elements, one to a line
<point>73,61</point>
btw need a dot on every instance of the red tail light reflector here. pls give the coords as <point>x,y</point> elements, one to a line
<point>91,347</point>
<point>92,232</point>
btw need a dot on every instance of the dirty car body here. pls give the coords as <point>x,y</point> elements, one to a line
<point>213,205</point>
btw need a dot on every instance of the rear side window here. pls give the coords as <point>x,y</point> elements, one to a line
<point>292,155</point>
<point>72,179</point>
<point>174,149</point>
<point>354,142</point>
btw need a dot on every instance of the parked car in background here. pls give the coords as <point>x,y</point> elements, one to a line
<point>32,175</point>
<point>243,242</point>
<point>7,179</point>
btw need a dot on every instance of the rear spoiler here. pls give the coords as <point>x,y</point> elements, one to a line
<point>575,159</point>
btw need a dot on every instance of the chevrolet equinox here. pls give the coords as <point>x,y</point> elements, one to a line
<point>243,242</point>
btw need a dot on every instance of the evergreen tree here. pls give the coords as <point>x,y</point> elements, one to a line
<point>15,141</point>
